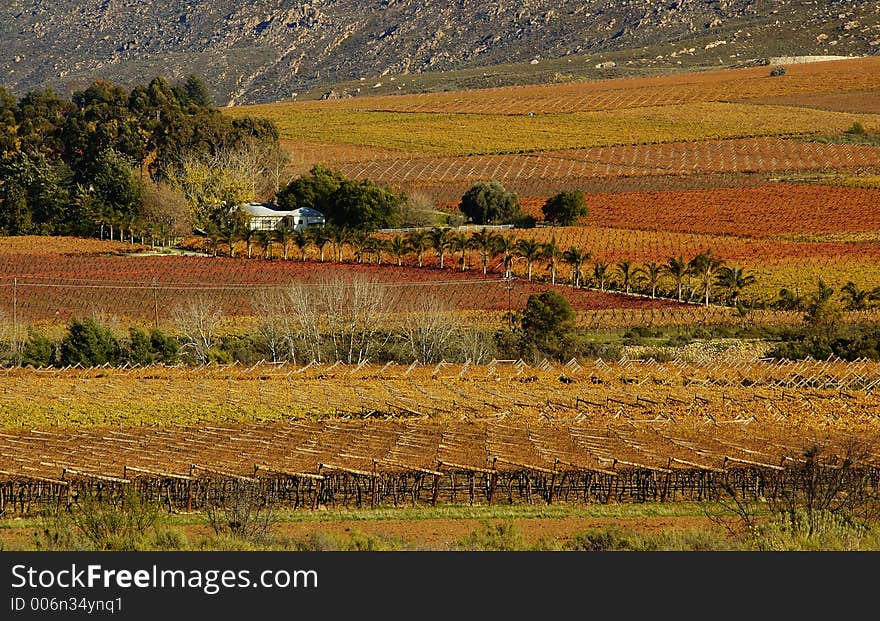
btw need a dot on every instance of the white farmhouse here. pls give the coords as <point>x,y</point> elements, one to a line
<point>268,217</point>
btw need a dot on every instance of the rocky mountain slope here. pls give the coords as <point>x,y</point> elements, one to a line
<point>266,50</point>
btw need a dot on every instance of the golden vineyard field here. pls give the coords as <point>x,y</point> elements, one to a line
<point>807,395</point>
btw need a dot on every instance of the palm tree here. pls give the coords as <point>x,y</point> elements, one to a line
<point>249,236</point>
<point>340,237</point>
<point>856,299</point>
<point>734,280</point>
<point>378,245</point>
<point>530,250</point>
<point>650,273</point>
<point>483,242</point>
<point>440,240</point>
<point>301,241</point>
<point>321,237</point>
<point>266,238</point>
<point>461,243</point>
<point>360,243</point>
<point>600,273</point>
<point>678,270</point>
<point>626,274</point>
<point>283,235</point>
<point>399,247</point>
<point>704,266</point>
<point>551,251</point>
<point>419,241</point>
<point>214,236</point>
<point>505,245</point>
<point>576,259</point>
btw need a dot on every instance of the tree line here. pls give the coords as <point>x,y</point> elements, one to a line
<point>109,159</point>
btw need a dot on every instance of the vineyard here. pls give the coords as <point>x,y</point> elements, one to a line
<point>764,211</point>
<point>58,283</point>
<point>506,432</point>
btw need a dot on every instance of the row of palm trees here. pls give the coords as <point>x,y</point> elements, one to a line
<point>696,279</point>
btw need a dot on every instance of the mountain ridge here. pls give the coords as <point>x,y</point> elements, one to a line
<point>279,49</point>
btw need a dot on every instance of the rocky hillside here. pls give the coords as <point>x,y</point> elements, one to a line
<point>266,50</point>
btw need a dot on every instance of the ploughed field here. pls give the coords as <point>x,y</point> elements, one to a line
<point>341,435</point>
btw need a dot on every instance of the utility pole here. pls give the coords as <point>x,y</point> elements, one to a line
<point>508,285</point>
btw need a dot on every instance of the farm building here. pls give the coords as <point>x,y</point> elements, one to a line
<point>268,217</point>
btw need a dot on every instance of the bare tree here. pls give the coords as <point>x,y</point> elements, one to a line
<point>428,327</point>
<point>302,322</point>
<point>271,308</point>
<point>198,319</point>
<point>351,310</point>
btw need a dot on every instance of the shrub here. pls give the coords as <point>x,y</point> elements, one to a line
<point>89,344</point>
<point>39,351</point>
<point>777,71</point>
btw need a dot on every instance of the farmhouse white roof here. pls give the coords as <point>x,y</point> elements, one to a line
<point>265,210</point>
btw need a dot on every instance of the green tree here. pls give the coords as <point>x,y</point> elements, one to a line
<point>484,242</point>
<point>705,267</point>
<point>565,208</point>
<point>197,91</point>
<point>419,241</point>
<point>531,251</point>
<point>441,241</point>
<point>733,280</point>
<point>89,344</point>
<point>313,190</point>
<point>650,273</point>
<point>625,269</point>
<point>552,252</point>
<point>547,323</point>
<point>677,269</point>
<point>855,299</point>
<point>576,258</point>
<point>487,202</point>
<point>39,351</point>
<point>363,205</point>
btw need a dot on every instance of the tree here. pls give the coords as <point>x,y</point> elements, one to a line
<point>650,273</point>
<point>704,266</point>
<point>484,242</point>
<point>39,351</point>
<point>198,320</point>
<point>89,344</point>
<point>312,190</point>
<point>531,251</point>
<point>283,235</point>
<point>163,210</point>
<point>399,247</point>
<point>505,245</point>
<point>487,202</point>
<point>547,323</point>
<point>733,280</point>
<point>363,205</point>
<point>419,241</point>
<point>428,328</point>
<point>461,243</point>
<point>600,273</point>
<point>626,274</point>
<point>441,239</point>
<point>552,252</point>
<point>197,91</point>
<point>576,258</point>
<point>677,269</point>
<point>419,210</point>
<point>565,208</point>
<point>856,299</point>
